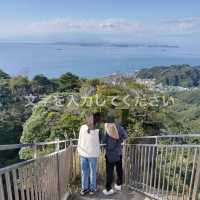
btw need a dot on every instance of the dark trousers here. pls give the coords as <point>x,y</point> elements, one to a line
<point>110,170</point>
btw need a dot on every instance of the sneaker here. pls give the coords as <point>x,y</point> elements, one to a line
<point>92,192</point>
<point>106,192</point>
<point>118,187</point>
<point>84,192</point>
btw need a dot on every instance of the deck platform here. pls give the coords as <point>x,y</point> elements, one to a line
<point>125,194</point>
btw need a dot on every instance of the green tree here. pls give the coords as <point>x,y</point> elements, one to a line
<point>19,85</point>
<point>10,133</point>
<point>5,94</point>
<point>41,85</point>
<point>69,82</point>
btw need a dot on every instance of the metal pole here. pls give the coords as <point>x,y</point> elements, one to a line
<point>195,195</point>
<point>124,161</point>
<point>57,149</point>
<point>156,140</point>
<point>72,164</point>
<point>71,142</point>
<point>34,150</point>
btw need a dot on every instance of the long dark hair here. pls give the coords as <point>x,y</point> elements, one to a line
<point>92,121</point>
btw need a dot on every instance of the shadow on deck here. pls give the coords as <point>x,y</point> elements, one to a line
<point>126,194</point>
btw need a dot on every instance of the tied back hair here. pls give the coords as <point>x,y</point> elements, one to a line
<point>111,130</point>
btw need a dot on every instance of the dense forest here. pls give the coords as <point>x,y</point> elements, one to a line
<point>38,110</point>
<point>18,95</point>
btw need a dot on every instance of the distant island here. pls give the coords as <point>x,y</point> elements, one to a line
<point>108,44</point>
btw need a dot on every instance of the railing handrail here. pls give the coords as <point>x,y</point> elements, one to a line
<point>167,145</point>
<point>31,145</point>
<point>46,176</point>
<point>167,136</point>
<point>14,166</point>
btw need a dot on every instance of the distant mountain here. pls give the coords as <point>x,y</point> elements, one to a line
<point>174,75</point>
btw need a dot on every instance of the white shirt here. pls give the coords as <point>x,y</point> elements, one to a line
<point>88,143</point>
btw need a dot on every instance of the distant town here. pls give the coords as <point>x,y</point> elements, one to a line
<point>152,85</point>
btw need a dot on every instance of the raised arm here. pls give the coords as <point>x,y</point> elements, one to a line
<point>123,134</point>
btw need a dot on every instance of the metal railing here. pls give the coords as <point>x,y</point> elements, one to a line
<point>41,178</point>
<point>160,171</point>
<point>168,139</point>
<point>170,172</point>
<point>44,177</point>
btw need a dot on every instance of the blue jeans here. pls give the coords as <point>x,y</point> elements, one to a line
<point>88,173</point>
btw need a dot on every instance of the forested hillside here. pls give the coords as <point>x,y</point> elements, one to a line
<point>38,110</point>
<point>187,108</point>
<point>175,75</point>
<point>18,95</point>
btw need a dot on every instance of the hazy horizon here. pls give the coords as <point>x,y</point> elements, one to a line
<point>167,22</point>
<point>27,27</point>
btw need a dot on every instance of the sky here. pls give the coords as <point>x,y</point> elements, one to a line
<point>171,22</point>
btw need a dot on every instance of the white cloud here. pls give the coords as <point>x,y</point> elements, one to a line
<point>182,26</point>
<point>115,26</point>
<point>64,25</point>
<point>112,27</point>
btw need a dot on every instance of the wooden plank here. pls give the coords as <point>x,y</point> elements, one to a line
<point>31,175</point>
<point>38,171</point>
<point>16,193</point>
<point>21,183</point>
<point>2,197</point>
<point>49,185</point>
<point>27,182</point>
<point>35,186</point>
<point>8,186</point>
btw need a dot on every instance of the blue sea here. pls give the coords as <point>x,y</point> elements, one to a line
<point>87,61</point>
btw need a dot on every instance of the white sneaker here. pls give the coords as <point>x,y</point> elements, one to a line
<point>118,187</point>
<point>110,192</point>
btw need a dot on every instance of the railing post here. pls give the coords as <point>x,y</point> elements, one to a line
<point>57,149</point>
<point>34,150</point>
<point>66,139</point>
<point>156,140</point>
<point>124,162</point>
<point>71,143</point>
<point>72,169</point>
<point>196,191</point>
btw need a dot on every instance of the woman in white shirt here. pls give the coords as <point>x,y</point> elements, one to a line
<point>88,149</point>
